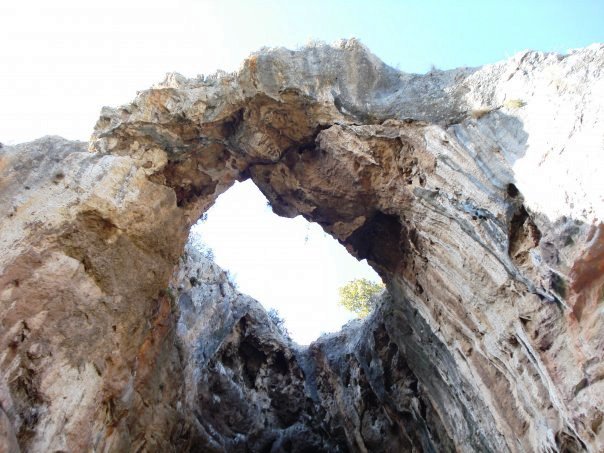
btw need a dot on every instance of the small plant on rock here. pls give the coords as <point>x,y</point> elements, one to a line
<point>513,104</point>
<point>278,321</point>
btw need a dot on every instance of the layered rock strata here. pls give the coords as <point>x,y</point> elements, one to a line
<point>475,193</point>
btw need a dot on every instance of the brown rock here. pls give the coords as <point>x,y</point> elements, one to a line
<point>486,229</point>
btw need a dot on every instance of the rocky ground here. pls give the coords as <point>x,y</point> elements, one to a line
<point>475,193</point>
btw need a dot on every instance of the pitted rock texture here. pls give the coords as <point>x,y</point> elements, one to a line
<point>252,389</point>
<point>475,193</point>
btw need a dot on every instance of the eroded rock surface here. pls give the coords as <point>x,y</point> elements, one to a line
<point>252,389</point>
<point>475,193</point>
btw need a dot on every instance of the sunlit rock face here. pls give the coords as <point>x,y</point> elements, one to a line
<point>475,193</point>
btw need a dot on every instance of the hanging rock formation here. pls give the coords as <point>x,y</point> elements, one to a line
<point>475,193</point>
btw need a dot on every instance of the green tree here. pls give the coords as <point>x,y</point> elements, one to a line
<point>357,296</point>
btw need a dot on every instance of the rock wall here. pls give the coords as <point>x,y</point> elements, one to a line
<point>474,193</point>
<point>252,389</point>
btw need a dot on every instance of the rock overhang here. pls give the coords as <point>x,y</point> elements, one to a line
<point>411,172</point>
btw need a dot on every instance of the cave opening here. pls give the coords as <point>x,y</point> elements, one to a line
<point>288,265</point>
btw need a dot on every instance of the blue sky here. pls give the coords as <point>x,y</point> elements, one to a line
<point>63,60</point>
<point>417,34</point>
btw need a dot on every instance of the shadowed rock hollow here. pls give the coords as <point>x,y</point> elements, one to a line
<point>475,193</point>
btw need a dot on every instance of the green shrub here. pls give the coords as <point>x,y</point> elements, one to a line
<point>357,296</point>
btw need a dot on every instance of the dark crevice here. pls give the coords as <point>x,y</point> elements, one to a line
<point>512,190</point>
<point>524,235</point>
<point>230,125</point>
<point>382,240</point>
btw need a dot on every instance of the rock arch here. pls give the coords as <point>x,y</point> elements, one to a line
<point>487,341</point>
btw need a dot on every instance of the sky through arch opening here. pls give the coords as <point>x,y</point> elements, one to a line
<point>290,265</point>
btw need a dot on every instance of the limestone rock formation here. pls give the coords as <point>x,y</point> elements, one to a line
<point>252,389</point>
<point>475,193</point>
